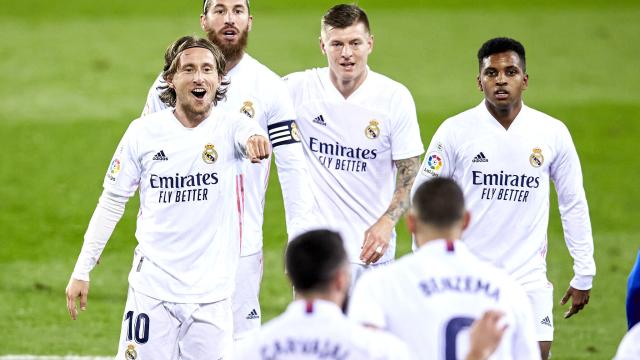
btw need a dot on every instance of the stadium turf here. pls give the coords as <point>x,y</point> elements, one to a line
<point>75,73</point>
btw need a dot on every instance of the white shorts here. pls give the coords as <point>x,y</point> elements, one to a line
<point>246,303</point>
<point>159,330</point>
<point>358,269</point>
<point>540,296</point>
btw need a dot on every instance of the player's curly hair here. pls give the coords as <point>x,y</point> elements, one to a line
<point>172,62</point>
<point>500,45</point>
<point>344,15</point>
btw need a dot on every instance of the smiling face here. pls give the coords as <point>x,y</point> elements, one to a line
<point>347,50</point>
<point>227,24</point>
<point>195,81</point>
<point>502,79</point>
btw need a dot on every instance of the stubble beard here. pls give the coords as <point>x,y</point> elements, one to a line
<point>232,52</point>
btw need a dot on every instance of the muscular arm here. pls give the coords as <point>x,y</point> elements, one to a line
<point>379,234</point>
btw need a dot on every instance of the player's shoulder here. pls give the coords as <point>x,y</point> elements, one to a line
<point>386,83</point>
<point>153,119</point>
<point>262,72</point>
<point>543,120</point>
<point>380,344</point>
<point>302,78</point>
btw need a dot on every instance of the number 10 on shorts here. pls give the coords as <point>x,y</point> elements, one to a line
<point>137,329</point>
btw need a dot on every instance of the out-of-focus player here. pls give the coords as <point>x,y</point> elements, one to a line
<point>431,297</point>
<point>361,139</point>
<point>629,348</point>
<point>633,295</point>
<point>259,94</point>
<point>186,162</point>
<point>503,153</point>
<point>313,326</point>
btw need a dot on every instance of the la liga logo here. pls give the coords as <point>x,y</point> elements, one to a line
<point>114,170</point>
<point>434,162</point>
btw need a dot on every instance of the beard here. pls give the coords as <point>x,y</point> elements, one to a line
<point>232,52</point>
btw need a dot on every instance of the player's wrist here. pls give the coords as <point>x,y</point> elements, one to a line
<point>582,282</point>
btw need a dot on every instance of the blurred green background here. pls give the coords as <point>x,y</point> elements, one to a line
<point>75,73</point>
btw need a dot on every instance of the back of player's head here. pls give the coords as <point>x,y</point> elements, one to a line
<point>312,259</point>
<point>500,45</point>
<point>344,15</point>
<point>172,63</point>
<point>439,202</point>
<point>206,4</point>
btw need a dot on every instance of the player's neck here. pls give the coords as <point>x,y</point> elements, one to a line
<point>428,234</point>
<point>504,115</point>
<point>329,296</point>
<point>233,61</point>
<point>190,119</point>
<point>347,87</point>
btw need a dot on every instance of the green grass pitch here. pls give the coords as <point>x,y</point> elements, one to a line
<point>75,73</point>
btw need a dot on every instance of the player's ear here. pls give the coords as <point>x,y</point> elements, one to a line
<point>479,83</point>
<point>250,23</point>
<point>525,81</point>
<point>411,221</point>
<point>466,220</point>
<point>324,52</point>
<point>370,43</point>
<point>203,22</point>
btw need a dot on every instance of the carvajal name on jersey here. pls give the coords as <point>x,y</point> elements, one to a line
<point>319,348</point>
<point>339,157</point>
<point>500,186</point>
<point>467,284</point>
<point>183,188</point>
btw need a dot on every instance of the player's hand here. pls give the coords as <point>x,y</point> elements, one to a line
<point>376,240</point>
<point>258,148</point>
<point>579,299</point>
<point>77,289</point>
<point>485,335</point>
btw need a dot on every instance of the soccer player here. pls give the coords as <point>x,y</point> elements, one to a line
<point>361,139</point>
<point>629,348</point>
<point>503,153</point>
<point>259,94</point>
<point>186,162</point>
<point>633,295</point>
<point>430,297</point>
<point>313,326</point>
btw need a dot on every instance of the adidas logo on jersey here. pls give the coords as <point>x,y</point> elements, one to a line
<point>319,120</point>
<point>253,315</point>
<point>160,156</point>
<point>480,158</point>
<point>546,321</point>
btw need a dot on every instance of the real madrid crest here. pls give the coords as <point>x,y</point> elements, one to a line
<point>209,155</point>
<point>373,130</point>
<point>294,131</point>
<point>131,353</point>
<point>247,109</point>
<point>536,159</point>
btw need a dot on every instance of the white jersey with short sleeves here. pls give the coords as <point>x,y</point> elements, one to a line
<point>260,94</point>
<point>430,298</point>
<point>189,223</point>
<point>350,146</point>
<point>318,330</point>
<point>505,178</point>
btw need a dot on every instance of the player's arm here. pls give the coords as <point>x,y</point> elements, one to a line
<point>293,175</point>
<point>377,237</point>
<point>154,104</point>
<point>485,335</point>
<point>566,174</point>
<point>105,217</point>
<point>251,141</point>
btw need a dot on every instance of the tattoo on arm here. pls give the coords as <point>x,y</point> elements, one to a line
<point>407,171</point>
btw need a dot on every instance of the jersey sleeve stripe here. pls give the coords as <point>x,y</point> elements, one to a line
<point>282,133</point>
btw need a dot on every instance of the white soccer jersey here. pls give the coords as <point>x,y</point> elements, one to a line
<point>350,146</point>
<point>629,348</point>
<point>430,298</point>
<point>505,178</point>
<point>260,94</point>
<point>189,223</point>
<point>318,330</point>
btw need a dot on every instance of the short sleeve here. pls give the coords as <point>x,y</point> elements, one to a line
<point>438,160</point>
<point>405,136</point>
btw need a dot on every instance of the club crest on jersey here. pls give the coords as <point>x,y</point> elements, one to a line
<point>373,130</point>
<point>433,165</point>
<point>247,109</point>
<point>295,135</point>
<point>209,155</point>
<point>536,159</point>
<point>114,170</point>
<point>131,353</point>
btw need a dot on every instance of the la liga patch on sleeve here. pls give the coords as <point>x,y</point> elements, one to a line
<point>433,164</point>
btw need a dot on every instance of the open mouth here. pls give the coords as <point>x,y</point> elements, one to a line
<point>229,33</point>
<point>199,92</point>
<point>502,94</point>
<point>348,65</point>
